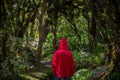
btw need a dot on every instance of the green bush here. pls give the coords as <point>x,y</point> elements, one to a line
<point>82,74</point>
<point>18,59</point>
<point>84,59</point>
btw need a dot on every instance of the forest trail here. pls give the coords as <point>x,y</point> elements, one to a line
<point>47,63</point>
<point>43,73</point>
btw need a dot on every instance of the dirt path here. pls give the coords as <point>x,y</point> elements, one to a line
<point>42,73</point>
<point>47,63</point>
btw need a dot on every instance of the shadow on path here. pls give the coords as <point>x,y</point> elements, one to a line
<point>42,73</point>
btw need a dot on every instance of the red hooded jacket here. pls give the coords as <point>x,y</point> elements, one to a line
<point>63,62</point>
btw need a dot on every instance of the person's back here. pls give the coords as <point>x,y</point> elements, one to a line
<point>62,62</point>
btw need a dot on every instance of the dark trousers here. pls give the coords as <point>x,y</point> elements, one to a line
<point>57,78</point>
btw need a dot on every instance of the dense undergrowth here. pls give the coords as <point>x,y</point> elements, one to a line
<point>22,51</point>
<point>21,60</point>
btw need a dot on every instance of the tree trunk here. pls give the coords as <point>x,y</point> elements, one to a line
<point>112,42</point>
<point>92,33</point>
<point>91,23</point>
<point>54,38</point>
<point>113,22</point>
<point>4,44</point>
<point>43,31</point>
<point>55,31</point>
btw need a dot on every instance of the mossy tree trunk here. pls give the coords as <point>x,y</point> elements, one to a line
<point>55,30</point>
<point>43,31</point>
<point>107,18</point>
<point>113,16</point>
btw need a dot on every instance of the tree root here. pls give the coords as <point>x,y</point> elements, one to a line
<point>102,75</point>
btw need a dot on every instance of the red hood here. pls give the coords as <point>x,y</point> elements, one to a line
<point>63,44</point>
<point>63,62</point>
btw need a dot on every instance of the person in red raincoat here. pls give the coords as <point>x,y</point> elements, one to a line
<point>63,62</point>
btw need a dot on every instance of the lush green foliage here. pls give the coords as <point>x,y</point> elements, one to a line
<point>20,58</point>
<point>82,74</point>
<point>87,25</point>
